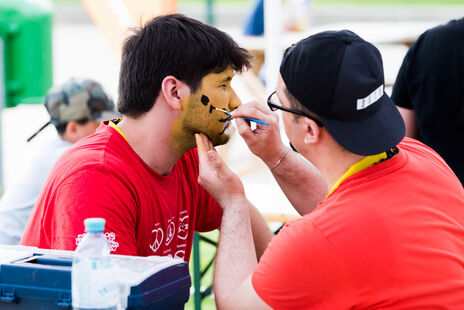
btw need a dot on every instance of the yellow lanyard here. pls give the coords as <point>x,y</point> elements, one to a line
<point>113,125</point>
<point>360,165</point>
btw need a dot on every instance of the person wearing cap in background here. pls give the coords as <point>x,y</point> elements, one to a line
<point>76,109</point>
<point>390,232</point>
<point>140,172</point>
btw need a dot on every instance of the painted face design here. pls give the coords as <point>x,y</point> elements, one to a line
<point>200,114</point>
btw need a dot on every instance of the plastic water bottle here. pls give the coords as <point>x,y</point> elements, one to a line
<point>94,275</point>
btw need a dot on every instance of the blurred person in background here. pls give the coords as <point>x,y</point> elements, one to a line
<point>429,92</point>
<point>296,17</point>
<point>76,109</point>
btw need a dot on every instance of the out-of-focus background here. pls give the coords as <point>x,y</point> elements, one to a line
<point>80,48</point>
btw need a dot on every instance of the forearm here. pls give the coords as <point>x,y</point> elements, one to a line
<point>236,257</point>
<point>301,182</point>
<point>262,235</point>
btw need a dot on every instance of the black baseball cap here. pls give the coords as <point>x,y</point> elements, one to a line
<point>339,76</point>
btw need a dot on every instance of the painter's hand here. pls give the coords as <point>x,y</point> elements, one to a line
<point>215,176</point>
<point>264,141</point>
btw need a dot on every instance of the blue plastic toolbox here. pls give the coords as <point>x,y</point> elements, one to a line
<point>43,281</point>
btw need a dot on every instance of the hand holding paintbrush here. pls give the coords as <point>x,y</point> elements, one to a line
<point>244,117</point>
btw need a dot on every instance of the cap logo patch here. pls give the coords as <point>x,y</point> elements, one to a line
<point>372,98</point>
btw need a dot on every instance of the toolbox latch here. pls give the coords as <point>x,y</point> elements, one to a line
<point>7,295</point>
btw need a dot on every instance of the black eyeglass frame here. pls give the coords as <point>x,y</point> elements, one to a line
<point>275,107</point>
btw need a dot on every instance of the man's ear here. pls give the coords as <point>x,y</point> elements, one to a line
<point>174,91</point>
<point>312,131</point>
<point>71,127</point>
<point>70,132</point>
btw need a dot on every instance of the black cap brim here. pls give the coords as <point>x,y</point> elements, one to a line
<point>377,133</point>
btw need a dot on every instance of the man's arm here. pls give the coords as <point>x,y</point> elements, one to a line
<point>236,260</point>
<point>410,122</point>
<point>301,182</point>
<point>208,213</point>
<point>402,98</point>
<point>262,235</point>
<point>236,257</point>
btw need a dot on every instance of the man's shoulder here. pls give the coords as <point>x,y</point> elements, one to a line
<point>446,33</point>
<point>454,27</point>
<point>105,141</point>
<point>418,149</point>
<point>101,150</point>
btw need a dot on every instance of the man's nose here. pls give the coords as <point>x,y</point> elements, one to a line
<point>234,101</point>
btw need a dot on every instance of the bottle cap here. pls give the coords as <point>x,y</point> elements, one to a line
<point>94,224</point>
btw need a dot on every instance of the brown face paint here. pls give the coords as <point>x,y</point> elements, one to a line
<point>196,117</point>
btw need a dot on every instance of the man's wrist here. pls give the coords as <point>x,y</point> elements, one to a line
<point>275,159</point>
<point>234,202</point>
<point>280,159</point>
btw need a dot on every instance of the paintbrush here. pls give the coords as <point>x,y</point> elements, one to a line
<point>245,117</point>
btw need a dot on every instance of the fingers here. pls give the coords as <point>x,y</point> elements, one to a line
<point>247,133</point>
<point>206,148</point>
<point>215,160</point>
<point>258,111</point>
<point>243,127</point>
<point>210,144</point>
<point>214,174</point>
<point>200,143</point>
<point>204,145</point>
<point>248,107</point>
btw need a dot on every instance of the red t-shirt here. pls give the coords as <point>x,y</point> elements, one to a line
<point>389,237</point>
<point>146,213</point>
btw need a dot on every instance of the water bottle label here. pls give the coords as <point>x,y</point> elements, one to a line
<point>94,284</point>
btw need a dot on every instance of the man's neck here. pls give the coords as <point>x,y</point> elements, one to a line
<point>334,162</point>
<point>150,137</point>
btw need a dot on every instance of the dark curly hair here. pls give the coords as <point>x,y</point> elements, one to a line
<point>172,45</point>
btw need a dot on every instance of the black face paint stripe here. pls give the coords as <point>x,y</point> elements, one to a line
<point>204,100</point>
<point>224,129</point>
<point>211,109</point>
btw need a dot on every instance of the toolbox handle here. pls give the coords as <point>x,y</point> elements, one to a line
<point>54,261</point>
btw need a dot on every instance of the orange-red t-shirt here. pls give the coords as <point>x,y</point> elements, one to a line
<point>389,237</point>
<point>146,213</point>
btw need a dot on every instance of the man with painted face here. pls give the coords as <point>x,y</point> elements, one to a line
<point>140,173</point>
<point>389,233</point>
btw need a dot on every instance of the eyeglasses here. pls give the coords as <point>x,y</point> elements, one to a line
<point>274,104</point>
